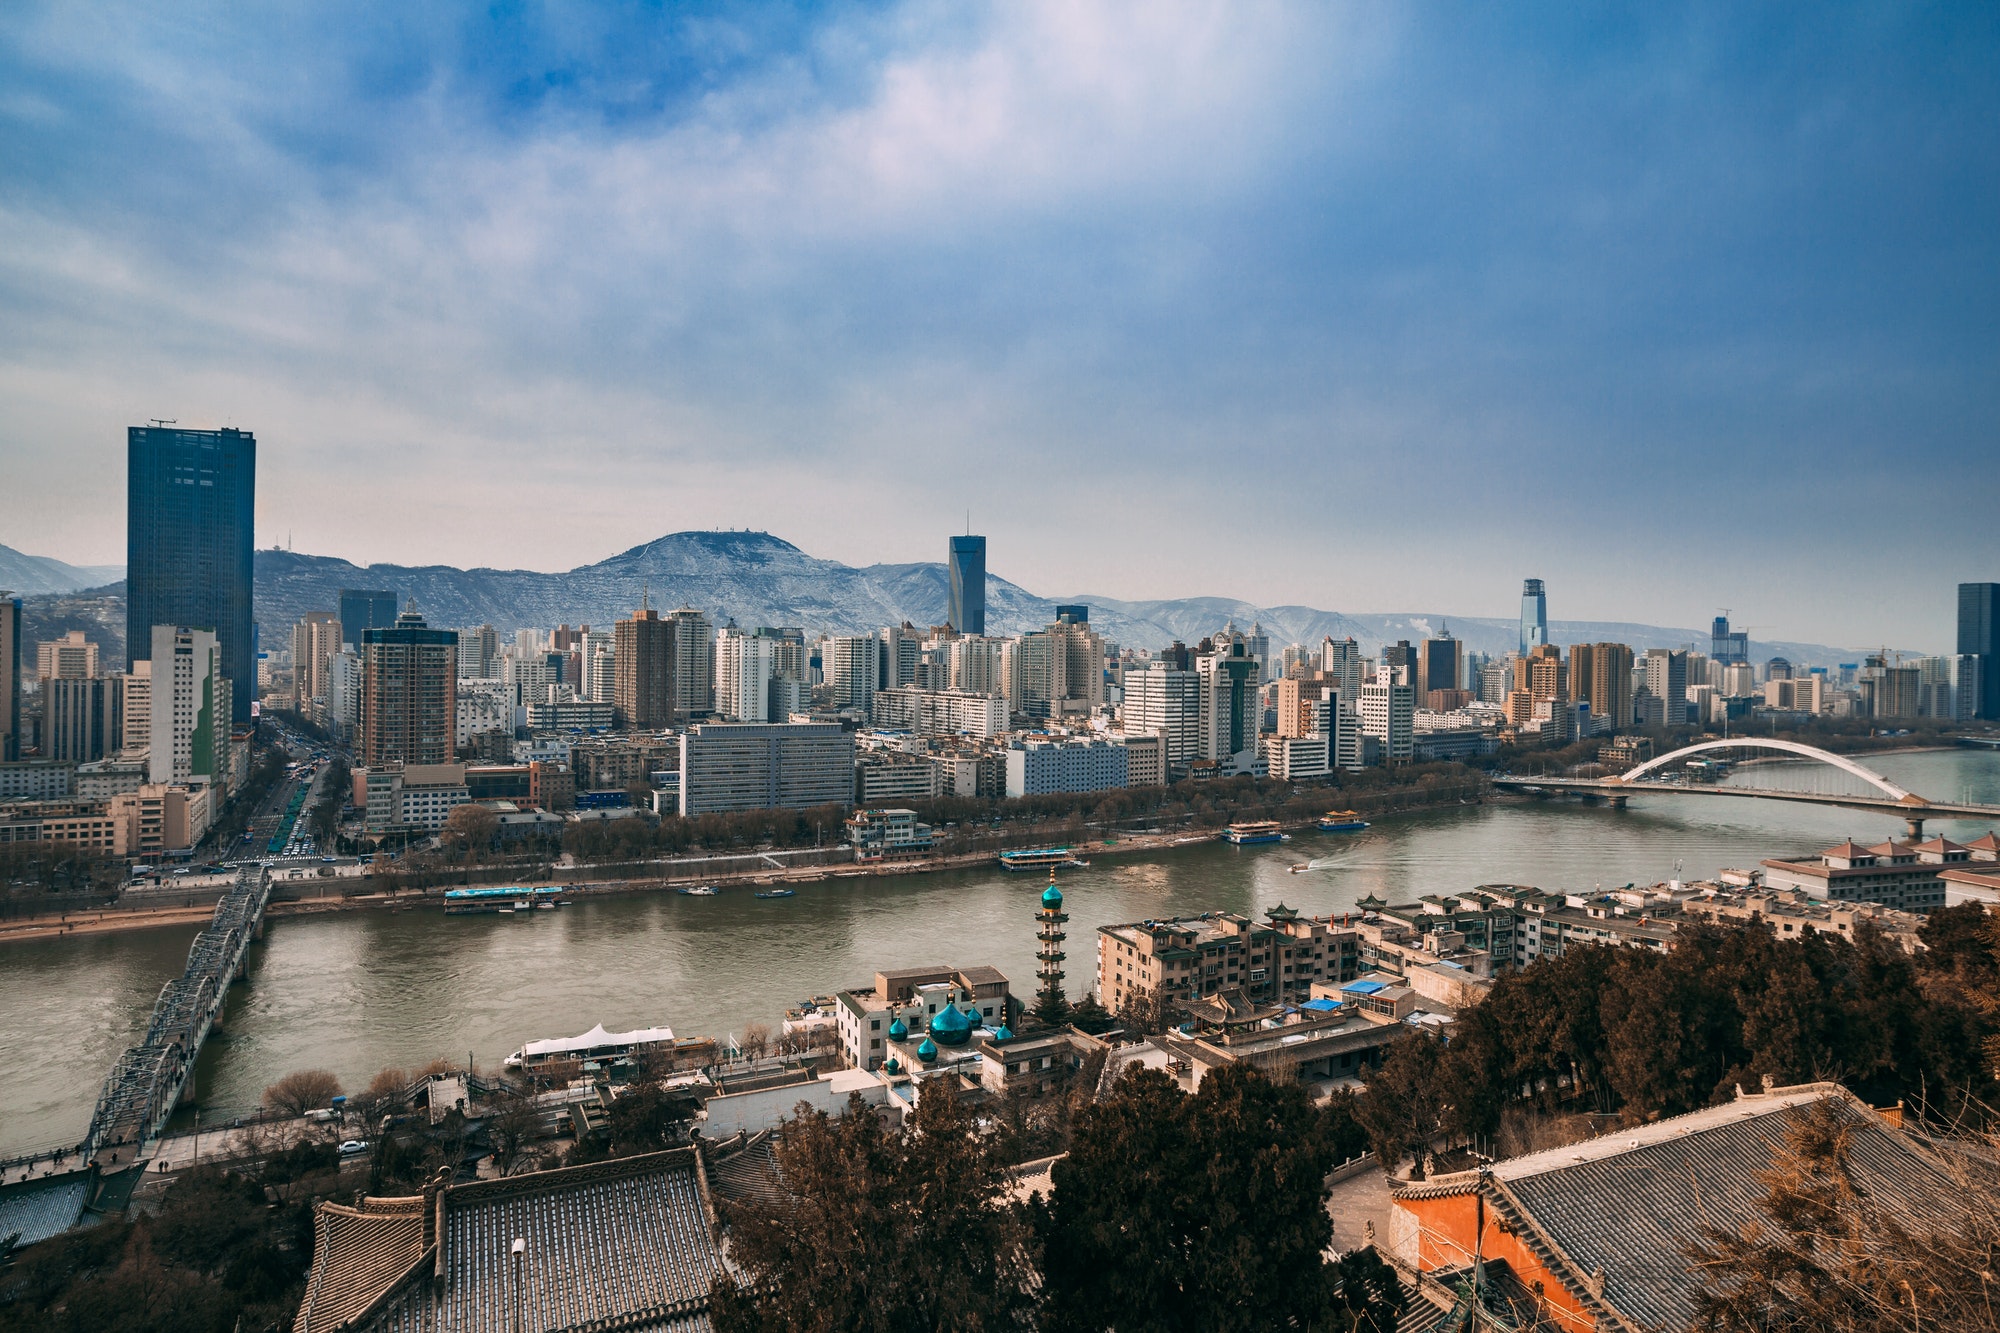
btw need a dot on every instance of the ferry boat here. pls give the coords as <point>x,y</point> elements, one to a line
<point>1041,858</point>
<point>595,1045</point>
<point>466,902</point>
<point>699,891</point>
<point>1341,821</point>
<point>1254,831</point>
<point>777,893</point>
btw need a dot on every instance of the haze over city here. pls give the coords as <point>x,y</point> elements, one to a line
<point>1368,310</point>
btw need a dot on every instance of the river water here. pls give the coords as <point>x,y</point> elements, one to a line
<point>355,992</point>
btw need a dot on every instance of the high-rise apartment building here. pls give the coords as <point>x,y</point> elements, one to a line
<point>1389,714</point>
<point>1544,666</point>
<point>976,664</point>
<point>190,504</point>
<point>188,706</point>
<point>478,653</point>
<point>72,657</point>
<point>902,650</point>
<point>315,640</point>
<point>852,664</point>
<point>1979,636</point>
<point>409,694</point>
<point>694,662</point>
<point>1440,664</point>
<point>642,672</point>
<point>1164,700</point>
<point>1534,615</point>
<point>1666,680</point>
<point>965,599</point>
<point>138,705</point>
<point>743,674</point>
<point>1600,674</point>
<point>82,719</point>
<point>360,609</point>
<point>10,677</point>
<point>1059,670</point>
<point>1341,660</point>
<point>1232,709</point>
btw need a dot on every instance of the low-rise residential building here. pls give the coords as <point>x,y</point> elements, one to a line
<point>410,796</point>
<point>903,1001</point>
<point>569,715</point>
<point>940,712</point>
<point>614,762</point>
<point>891,776</point>
<point>1903,875</point>
<point>163,817</point>
<point>1038,765</point>
<point>1145,758</point>
<point>1189,958</point>
<point>879,834</point>
<point>37,779</point>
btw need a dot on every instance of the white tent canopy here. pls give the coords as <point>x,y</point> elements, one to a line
<point>598,1039</point>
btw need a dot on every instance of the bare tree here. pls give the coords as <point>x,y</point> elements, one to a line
<point>301,1091</point>
<point>756,1040</point>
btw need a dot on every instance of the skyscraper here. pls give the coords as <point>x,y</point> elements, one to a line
<point>1440,664</point>
<point>10,677</point>
<point>642,671</point>
<point>409,694</point>
<point>1727,646</point>
<point>694,662</point>
<point>743,676</point>
<point>360,610</point>
<point>1979,636</point>
<point>1666,680</point>
<point>189,718</point>
<point>190,504</point>
<point>1600,674</point>
<point>1534,615</point>
<point>965,609</point>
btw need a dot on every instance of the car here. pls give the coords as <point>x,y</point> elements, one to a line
<point>353,1147</point>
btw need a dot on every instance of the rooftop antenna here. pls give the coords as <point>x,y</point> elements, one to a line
<point>162,421</point>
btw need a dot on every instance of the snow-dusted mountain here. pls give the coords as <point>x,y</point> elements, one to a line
<point>758,579</point>
<point>30,574</point>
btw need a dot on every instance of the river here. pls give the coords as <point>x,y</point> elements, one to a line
<point>355,992</point>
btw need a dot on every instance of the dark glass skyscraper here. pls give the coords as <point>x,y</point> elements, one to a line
<point>1534,616</point>
<point>190,502</point>
<point>360,610</point>
<point>1979,635</point>
<point>966,609</point>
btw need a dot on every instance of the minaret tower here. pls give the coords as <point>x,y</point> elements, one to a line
<point>1050,919</point>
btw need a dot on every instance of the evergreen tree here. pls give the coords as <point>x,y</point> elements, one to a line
<point>883,1231</point>
<point>1201,1213</point>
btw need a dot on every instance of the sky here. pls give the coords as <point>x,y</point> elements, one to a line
<point>1366,307</point>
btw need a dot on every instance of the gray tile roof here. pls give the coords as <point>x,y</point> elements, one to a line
<point>627,1244</point>
<point>1630,1204</point>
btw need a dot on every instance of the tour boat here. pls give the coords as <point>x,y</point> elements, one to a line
<point>596,1044</point>
<point>1341,821</point>
<point>1040,858</point>
<point>462,902</point>
<point>777,893</point>
<point>1254,831</point>
<point>699,891</point>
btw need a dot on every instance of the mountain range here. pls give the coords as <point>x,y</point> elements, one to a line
<point>31,574</point>
<point>756,579</point>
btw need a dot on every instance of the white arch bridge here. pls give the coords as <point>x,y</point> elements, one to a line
<point>1885,797</point>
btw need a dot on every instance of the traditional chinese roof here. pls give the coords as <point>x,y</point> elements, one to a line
<point>1627,1205</point>
<point>628,1243</point>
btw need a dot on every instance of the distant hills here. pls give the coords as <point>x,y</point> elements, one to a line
<point>758,579</point>
<point>31,574</point>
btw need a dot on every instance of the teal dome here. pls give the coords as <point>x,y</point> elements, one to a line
<point>1052,896</point>
<point>898,1030</point>
<point>928,1051</point>
<point>1003,1033</point>
<point>894,1066</point>
<point>973,1017</point>
<point>950,1027</point>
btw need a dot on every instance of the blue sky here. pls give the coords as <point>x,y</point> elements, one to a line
<point>1373,308</point>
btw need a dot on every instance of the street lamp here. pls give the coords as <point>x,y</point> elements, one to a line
<point>520,1250</point>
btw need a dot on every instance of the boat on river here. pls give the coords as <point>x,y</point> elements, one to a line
<point>1041,858</point>
<point>1341,821</point>
<point>1254,831</point>
<point>699,891</point>
<point>506,901</point>
<point>595,1045</point>
<point>778,893</point>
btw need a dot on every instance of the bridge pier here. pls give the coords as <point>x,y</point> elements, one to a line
<point>1915,826</point>
<point>1618,802</point>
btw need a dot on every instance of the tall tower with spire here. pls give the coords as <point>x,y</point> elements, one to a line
<point>1051,1004</point>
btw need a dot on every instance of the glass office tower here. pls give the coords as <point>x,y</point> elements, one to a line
<point>966,609</point>
<point>1534,616</point>
<point>190,503</point>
